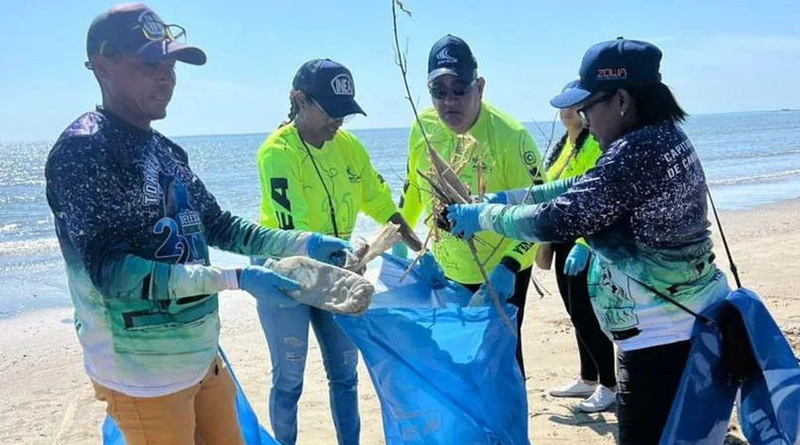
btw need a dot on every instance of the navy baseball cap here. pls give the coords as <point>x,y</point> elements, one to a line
<point>610,65</point>
<point>135,29</point>
<point>331,85</point>
<point>451,55</point>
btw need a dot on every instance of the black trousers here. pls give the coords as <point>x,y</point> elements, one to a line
<point>648,381</point>
<point>521,282</point>
<point>596,351</point>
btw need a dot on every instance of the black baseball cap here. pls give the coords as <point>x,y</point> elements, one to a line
<point>610,65</point>
<point>451,55</point>
<point>331,85</point>
<point>135,29</point>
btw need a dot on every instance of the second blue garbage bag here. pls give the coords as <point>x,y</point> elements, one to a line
<point>769,408</point>
<point>444,373</point>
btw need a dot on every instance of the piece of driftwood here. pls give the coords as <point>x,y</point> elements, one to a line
<point>367,250</point>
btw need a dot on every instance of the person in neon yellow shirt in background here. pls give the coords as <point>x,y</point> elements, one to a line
<point>504,156</point>
<point>576,153</point>
<point>317,176</point>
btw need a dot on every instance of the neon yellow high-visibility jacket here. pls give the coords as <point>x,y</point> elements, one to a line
<point>292,191</point>
<point>568,164</point>
<point>507,158</point>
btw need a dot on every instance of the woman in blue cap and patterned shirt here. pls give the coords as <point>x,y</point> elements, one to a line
<point>642,209</point>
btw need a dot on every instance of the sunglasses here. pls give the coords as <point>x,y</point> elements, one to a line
<point>459,89</point>
<point>157,32</point>
<point>331,120</point>
<point>152,31</point>
<point>585,108</point>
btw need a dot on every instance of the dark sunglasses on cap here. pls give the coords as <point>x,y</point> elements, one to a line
<point>157,31</point>
<point>153,31</point>
<point>459,89</point>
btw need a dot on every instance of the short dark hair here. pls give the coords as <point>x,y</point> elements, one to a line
<point>655,103</point>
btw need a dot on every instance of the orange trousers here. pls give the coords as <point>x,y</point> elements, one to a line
<point>204,414</point>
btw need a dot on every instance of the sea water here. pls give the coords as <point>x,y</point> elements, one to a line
<point>750,159</point>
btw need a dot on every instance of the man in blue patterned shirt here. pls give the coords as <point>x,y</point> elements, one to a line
<point>134,224</point>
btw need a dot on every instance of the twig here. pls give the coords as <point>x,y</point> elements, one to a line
<point>402,63</point>
<point>544,135</point>
<point>448,177</point>
<point>488,283</point>
<point>439,192</point>
<point>416,259</point>
<point>402,8</point>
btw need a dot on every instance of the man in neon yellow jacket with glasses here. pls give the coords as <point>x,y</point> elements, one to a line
<point>504,156</point>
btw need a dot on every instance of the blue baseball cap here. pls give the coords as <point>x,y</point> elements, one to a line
<point>451,55</point>
<point>135,29</point>
<point>331,85</point>
<point>570,85</point>
<point>610,65</point>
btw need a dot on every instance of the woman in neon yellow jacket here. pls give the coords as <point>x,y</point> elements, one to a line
<point>316,176</point>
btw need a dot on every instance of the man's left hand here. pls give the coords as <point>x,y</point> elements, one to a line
<point>502,280</point>
<point>328,249</point>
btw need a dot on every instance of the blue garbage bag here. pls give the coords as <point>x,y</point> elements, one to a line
<point>444,373</point>
<point>769,408</point>
<point>252,432</point>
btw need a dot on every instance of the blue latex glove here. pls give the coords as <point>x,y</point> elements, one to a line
<point>464,219</point>
<point>265,284</point>
<point>577,260</point>
<point>502,280</point>
<point>400,249</point>
<point>431,271</point>
<point>495,198</point>
<point>328,249</point>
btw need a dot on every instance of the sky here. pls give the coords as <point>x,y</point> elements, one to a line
<point>719,56</point>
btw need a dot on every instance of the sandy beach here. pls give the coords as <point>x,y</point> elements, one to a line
<point>48,398</point>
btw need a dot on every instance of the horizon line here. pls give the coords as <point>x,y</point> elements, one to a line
<point>778,110</point>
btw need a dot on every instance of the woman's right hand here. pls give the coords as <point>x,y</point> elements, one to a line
<point>464,219</point>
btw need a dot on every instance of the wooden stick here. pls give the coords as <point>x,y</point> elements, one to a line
<point>416,259</point>
<point>447,174</point>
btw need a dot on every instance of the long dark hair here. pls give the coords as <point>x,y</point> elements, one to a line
<point>655,104</point>
<point>556,151</point>
<point>294,108</point>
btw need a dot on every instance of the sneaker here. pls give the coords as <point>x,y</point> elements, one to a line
<point>578,388</point>
<point>600,400</point>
